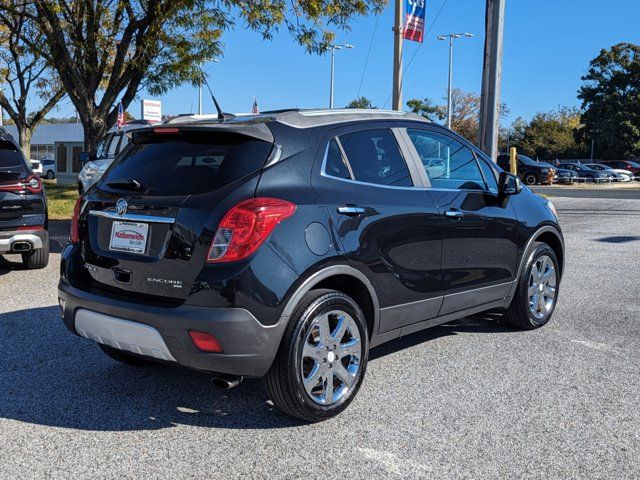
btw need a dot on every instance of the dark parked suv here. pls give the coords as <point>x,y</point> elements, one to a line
<point>530,171</point>
<point>23,207</point>
<point>288,244</point>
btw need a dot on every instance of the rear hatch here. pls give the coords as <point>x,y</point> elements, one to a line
<point>151,218</point>
<point>13,170</point>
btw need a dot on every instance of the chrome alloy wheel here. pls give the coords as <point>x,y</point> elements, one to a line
<point>542,287</point>
<point>331,357</point>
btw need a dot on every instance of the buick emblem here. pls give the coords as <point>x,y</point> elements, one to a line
<point>121,206</point>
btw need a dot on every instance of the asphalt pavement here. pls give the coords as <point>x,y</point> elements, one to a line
<point>471,399</point>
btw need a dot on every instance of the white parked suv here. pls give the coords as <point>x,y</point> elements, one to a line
<point>94,165</point>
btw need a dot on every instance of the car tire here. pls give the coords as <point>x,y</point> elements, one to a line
<point>313,349</point>
<point>124,357</point>
<point>51,175</point>
<point>36,259</point>
<point>530,179</point>
<point>528,310</point>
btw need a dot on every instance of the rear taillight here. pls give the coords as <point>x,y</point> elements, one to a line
<point>74,234</point>
<point>32,184</point>
<point>246,226</point>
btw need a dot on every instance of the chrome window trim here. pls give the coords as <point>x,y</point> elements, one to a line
<point>323,172</point>
<point>134,217</point>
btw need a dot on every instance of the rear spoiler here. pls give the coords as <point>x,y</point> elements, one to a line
<point>258,131</point>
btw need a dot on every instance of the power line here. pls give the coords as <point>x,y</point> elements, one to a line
<point>366,62</point>
<point>404,70</point>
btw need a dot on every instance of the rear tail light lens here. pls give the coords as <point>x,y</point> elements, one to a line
<point>246,226</point>
<point>205,342</point>
<point>74,234</point>
<point>32,184</point>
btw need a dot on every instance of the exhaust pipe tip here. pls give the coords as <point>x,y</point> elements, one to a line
<point>226,381</point>
<point>21,247</point>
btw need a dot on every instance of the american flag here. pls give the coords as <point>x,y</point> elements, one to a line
<point>120,121</point>
<point>254,108</point>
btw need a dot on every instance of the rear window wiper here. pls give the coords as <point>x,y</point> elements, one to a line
<point>125,184</point>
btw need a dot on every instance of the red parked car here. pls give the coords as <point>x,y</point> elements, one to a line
<point>629,165</point>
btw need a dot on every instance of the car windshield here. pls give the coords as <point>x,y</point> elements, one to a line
<point>634,164</point>
<point>527,161</point>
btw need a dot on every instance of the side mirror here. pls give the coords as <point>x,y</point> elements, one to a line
<point>84,157</point>
<point>509,184</point>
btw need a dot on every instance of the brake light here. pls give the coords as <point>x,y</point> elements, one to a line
<point>166,130</point>
<point>32,184</point>
<point>246,226</point>
<point>74,234</point>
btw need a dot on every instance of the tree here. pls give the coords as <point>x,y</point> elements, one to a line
<point>465,107</point>
<point>611,102</point>
<point>426,108</point>
<point>25,71</point>
<point>107,51</point>
<point>550,135</point>
<point>360,102</point>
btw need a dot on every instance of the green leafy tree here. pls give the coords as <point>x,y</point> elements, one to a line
<point>107,51</point>
<point>24,73</point>
<point>426,108</point>
<point>611,101</point>
<point>361,102</point>
<point>550,135</point>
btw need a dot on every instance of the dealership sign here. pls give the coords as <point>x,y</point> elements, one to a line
<point>152,110</point>
<point>414,20</point>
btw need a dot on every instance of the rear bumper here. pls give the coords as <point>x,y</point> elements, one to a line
<point>13,241</point>
<point>162,333</point>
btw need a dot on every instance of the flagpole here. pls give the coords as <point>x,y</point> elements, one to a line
<point>397,57</point>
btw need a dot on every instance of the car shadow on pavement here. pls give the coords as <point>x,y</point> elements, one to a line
<point>52,377</point>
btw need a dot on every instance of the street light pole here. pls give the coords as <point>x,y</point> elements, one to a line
<point>451,37</point>
<point>333,49</point>
<point>215,60</point>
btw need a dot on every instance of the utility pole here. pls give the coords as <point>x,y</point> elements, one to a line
<point>397,58</point>
<point>491,78</point>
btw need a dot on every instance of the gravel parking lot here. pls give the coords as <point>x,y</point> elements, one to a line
<point>471,399</point>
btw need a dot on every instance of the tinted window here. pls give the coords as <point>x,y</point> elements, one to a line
<point>188,163</point>
<point>527,161</point>
<point>447,162</point>
<point>374,157</point>
<point>334,165</point>
<point>11,157</point>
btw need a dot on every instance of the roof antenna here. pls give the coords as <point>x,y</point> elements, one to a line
<point>213,97</point>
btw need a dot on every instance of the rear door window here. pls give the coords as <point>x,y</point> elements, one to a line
<point>374,157</point>
<point>187,163</point>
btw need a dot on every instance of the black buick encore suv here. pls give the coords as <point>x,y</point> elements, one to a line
<point>288,244</point>
<point>23,207</point>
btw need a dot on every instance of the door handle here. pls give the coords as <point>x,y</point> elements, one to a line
<point>454,214</point>
<point>350,210</point>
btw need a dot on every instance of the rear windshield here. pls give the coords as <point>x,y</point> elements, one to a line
<point>10,157</point>
<point>186,163</point>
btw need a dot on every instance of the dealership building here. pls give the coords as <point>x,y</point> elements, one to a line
<point>61,142</point>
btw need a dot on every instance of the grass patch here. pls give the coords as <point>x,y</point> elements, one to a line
<point>61,199</point>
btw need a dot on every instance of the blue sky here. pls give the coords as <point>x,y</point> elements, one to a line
<point>548,45</point>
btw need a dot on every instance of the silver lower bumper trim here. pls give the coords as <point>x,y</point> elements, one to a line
<point>122,334</point>
<point>34,240</point>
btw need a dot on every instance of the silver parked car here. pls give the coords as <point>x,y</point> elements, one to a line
<point>94,165</point>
